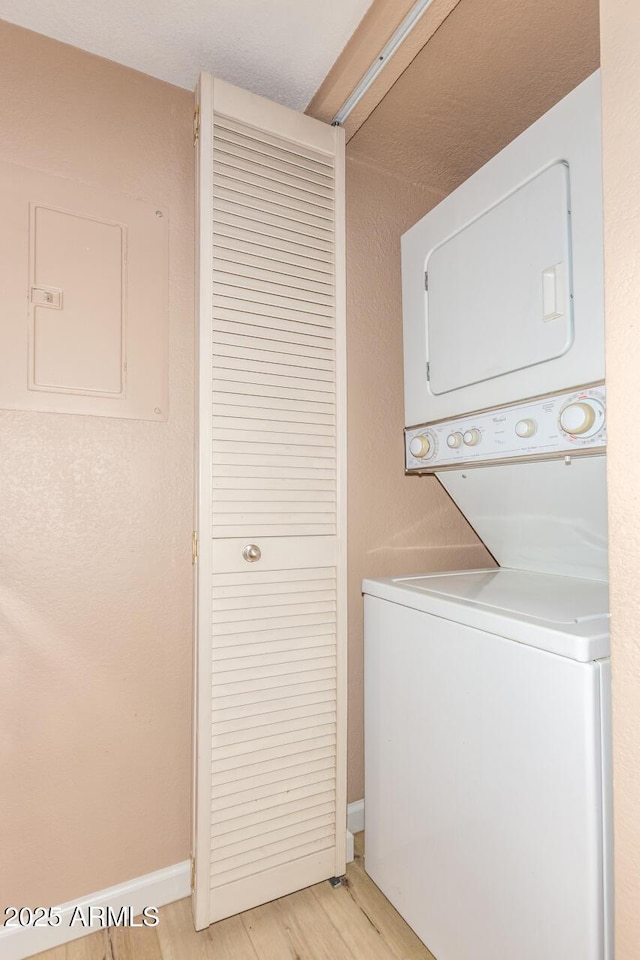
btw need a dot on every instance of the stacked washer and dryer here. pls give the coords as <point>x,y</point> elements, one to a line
<point>487,692</point>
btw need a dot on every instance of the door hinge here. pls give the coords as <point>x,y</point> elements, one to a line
<point>196,125</point>
<point>426,280</point>
<point>193,873</point>
<point>194,546</point>
<point>428,371</point>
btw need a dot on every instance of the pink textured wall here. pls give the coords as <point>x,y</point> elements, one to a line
<point>95,528</point>
<point>620,25</point>
<point>397,524</point>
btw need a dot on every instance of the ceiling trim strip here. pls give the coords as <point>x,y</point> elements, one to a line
<point>392,45</point>
<point>382,22</point>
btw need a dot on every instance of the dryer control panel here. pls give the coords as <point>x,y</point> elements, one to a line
<point>563,424</point>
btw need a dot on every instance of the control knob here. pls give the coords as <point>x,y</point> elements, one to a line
<point>472,437</point>
<point>420,447</point>
<point>582,418</point>
<point>526,428</point>
<point>454,440</point>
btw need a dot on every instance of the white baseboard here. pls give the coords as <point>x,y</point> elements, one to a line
<point>355,816</point>
<point>351,851</point>
<point>152,890</point>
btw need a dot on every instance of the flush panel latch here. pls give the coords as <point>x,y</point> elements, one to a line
<point>47,297</point>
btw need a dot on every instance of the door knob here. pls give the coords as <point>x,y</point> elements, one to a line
<point>251,552</point>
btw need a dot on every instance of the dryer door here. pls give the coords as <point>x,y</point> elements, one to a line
<point>499,290</point>
<point>514,304</point>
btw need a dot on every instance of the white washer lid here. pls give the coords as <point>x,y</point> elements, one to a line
<point>563,615</point>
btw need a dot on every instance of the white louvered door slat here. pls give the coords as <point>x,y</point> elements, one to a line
<point>297,194</point>
<point>270,801</point>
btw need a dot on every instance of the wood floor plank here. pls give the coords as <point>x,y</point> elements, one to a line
<point>310,931</point>
<point>229,940</point>
<point>356,928</point>
<point>58,953</point>
<point>135,943</point>
<point>268,933</point>
<point>225,940</point>
<point>176,935</point>
<point>404,943</point>
<point>95,946</point>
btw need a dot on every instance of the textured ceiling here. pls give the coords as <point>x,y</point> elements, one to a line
<point>491,69</point>
<point>281,49</point>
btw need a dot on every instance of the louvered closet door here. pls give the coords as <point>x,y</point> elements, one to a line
<point>270,727</point>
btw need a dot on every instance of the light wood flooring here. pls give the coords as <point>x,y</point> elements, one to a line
<point>351,922</point>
